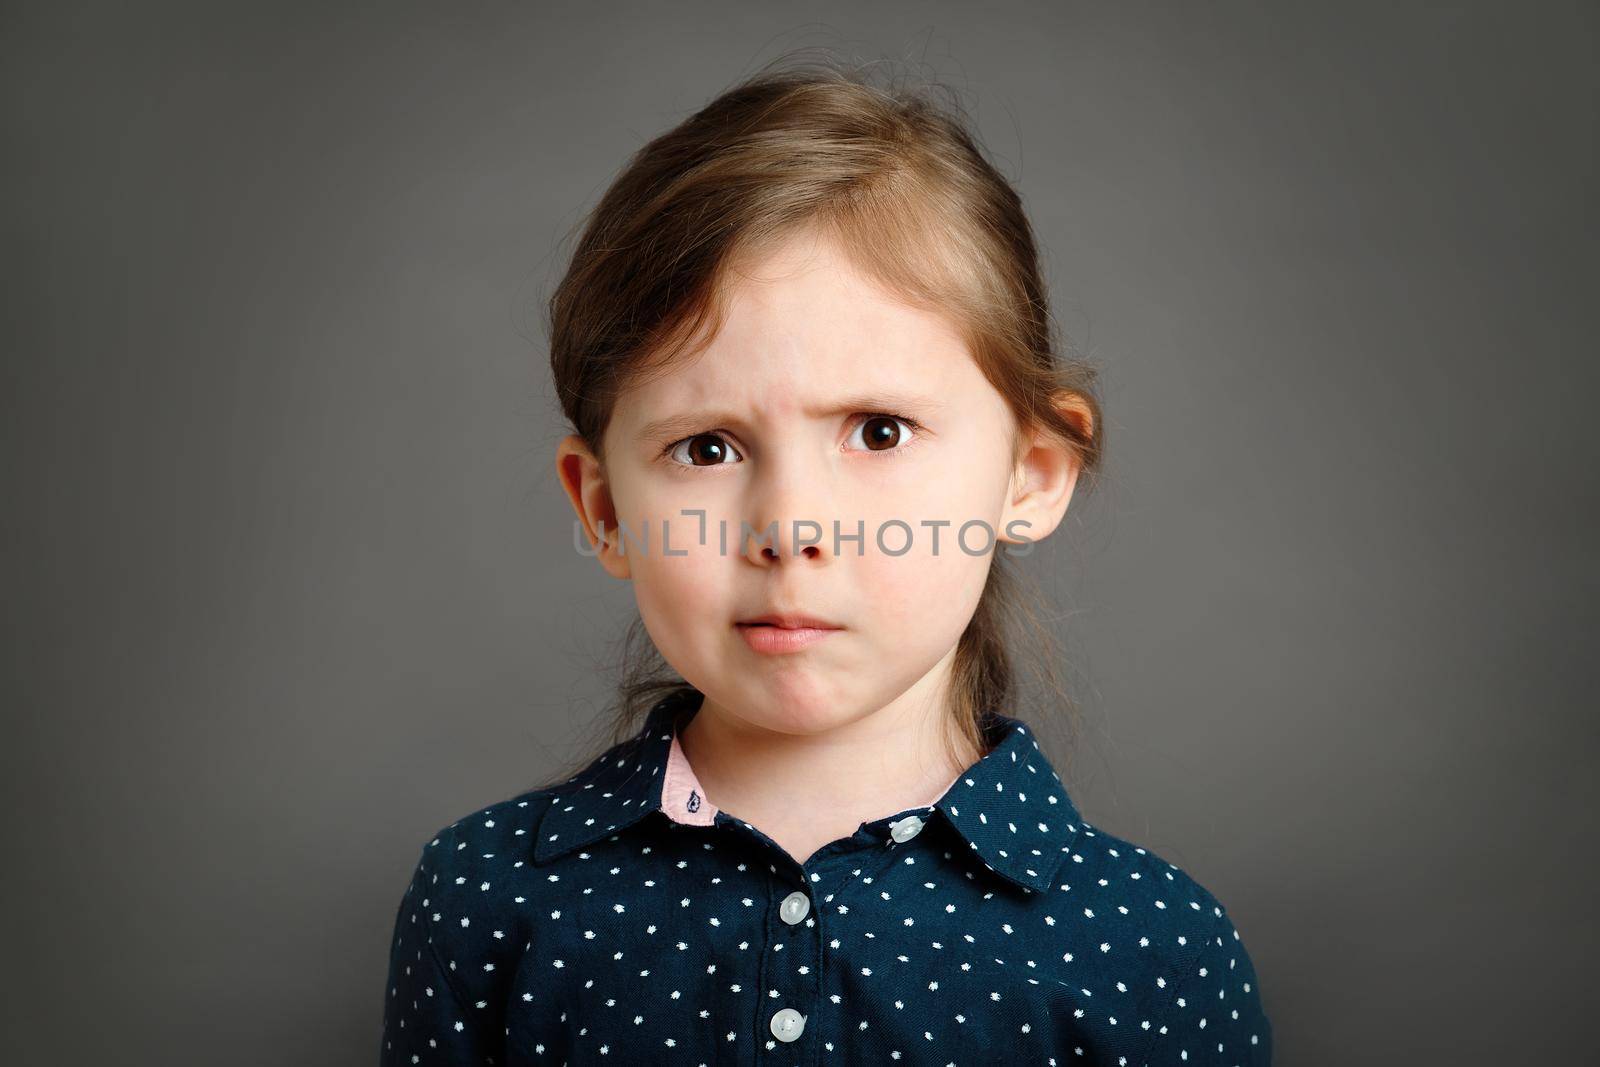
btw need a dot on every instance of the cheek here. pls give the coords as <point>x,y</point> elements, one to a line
<point>931,587</point>
<point>923,598</point>
<point>682,599</point>
<point>668,588</point>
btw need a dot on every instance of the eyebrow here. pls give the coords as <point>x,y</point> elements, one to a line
<point>904,403</point>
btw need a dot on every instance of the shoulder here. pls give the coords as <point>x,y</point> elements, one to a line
<point>1129,910</point>
<point>488,838</point>
<point>1166,937</point>
<point>469,899</point>
<point>1140,878</point>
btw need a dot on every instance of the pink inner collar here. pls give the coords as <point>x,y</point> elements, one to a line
<point>681,796</point>
<point>685,801</point>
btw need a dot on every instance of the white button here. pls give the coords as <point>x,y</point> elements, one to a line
<point>794,907</point>
<point>905,829</point>
<point>787,1024</point>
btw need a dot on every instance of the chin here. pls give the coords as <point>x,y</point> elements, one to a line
<point>796,708</point>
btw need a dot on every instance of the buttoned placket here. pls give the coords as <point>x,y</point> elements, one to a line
<point>790,973</point>
<point>791,968</point>
<point>790,988</point>
<point>791,984</point>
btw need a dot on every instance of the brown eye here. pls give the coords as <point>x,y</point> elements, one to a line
<point>703,450</point>
<point>884,433</point>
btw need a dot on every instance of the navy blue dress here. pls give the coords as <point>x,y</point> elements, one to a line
<point>583,924</point>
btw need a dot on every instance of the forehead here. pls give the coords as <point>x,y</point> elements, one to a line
<point>803,325</point>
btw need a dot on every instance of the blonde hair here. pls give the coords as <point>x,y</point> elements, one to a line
<point>899,183</point>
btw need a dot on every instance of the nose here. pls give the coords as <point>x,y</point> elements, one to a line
<point>786,543</point>
<point>792,522</point>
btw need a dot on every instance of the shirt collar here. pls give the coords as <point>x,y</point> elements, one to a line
<point>1010,806</point>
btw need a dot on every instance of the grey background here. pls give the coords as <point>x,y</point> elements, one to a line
<point>289,579</point>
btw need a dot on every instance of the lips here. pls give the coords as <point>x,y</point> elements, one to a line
<point>780,633</point>
<point>790,621</point>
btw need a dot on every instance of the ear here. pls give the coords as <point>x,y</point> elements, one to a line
<point>584,480</point>
<point>1044,477</point>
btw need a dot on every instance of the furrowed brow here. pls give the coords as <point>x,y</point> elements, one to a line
<point>686,422</point>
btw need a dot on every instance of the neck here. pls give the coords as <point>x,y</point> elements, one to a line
<point>805,790</point>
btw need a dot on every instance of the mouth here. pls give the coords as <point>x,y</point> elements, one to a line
<point>784,632</point>
<point>789,621</point>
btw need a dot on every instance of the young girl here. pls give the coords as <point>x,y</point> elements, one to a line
<point>804,348</point>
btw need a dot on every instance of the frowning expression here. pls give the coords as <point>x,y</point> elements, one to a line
<point>822,401</point>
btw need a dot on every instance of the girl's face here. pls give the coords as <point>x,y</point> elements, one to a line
<point>823,400</point>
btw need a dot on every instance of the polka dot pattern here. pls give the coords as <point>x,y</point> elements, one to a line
<point>586,924</point>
